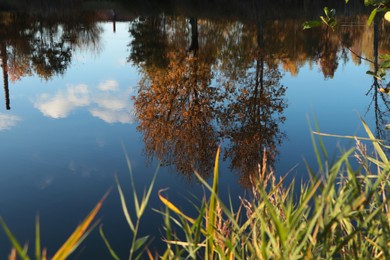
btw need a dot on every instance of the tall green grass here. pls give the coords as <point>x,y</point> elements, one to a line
<point>139,245</point>
<point>341,212</point>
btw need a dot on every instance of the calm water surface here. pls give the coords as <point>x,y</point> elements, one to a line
<point>167,88</point>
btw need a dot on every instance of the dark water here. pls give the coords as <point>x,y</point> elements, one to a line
<point>169,84</point>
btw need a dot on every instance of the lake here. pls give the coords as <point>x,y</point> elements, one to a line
<point>87,83</point>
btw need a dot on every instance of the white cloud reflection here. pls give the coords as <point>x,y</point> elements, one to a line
<point>60,105</point>
<point>8,121</point>
<point>111,116</point>
<point>107,102</point>
<point>111,102</point>
<point>109,85</point>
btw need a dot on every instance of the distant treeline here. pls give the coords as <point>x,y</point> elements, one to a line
<point>243,9</point>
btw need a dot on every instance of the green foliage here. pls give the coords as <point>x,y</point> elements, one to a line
<point>311,24</point>
<point>329,19</point>
<point>138,245</point>
<point>379,6</point>
<point>341,213</point>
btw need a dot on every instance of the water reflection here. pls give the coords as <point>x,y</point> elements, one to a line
<point>43,44</point>
<point>187,107</point>
<point>106,102</point>
<point>254,110</point>
<point>8,121</point>
<point>204,80</point>
<point>176,105</point>
<point>380,101</point>
<point>207,81</point>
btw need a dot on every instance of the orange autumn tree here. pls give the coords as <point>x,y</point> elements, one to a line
<point>175,109</point>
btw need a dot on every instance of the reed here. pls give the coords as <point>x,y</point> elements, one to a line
<point>69,246</point>
<point>341,213</point>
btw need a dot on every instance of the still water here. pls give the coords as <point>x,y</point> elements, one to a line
<point>168,88</point>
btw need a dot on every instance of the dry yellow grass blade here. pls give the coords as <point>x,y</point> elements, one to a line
<point>183,243</point>
<point>173,207</point>
<point>12,255</point>
<point>70,244</point>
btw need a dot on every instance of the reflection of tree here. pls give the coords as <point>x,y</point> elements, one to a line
<point>149,43</point>
<point>254,111</point>
<point>176,104</point>
<point>180,112</point>
<point>378,96</point>
<point>253,126</point>
<point>327,53</point>
<point>175,107</point>
<point>245,59</point>
<point>50,54</point>
<point>4,59</point>
<point>42,44</point>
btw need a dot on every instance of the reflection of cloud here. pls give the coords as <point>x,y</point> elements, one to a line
<point>109,85</point>
<point>61,104</point>
<point>8,121</point>
<point>112,102</point>
<point>108,102</point>
<point>113,107</point>
<point>111,116</point>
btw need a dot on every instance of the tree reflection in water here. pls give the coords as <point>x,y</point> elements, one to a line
<point>204,79</point>
<point>186,108</point>
<point>43,44</point>
<point>176,106</point>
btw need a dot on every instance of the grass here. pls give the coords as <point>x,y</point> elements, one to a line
<point>69,246</point>
<point>341,212</point>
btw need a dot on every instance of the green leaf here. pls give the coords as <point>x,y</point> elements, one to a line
<point>140,242</point>
<point>311,24</point>
<point>211,224</point>
<point>13,241</point>
<point>124,206</point>
<point>367,2</point>
<point>135,197</point>
<point>145,199</point>
<point>385,64</point>
<point>37,239</point>
<point>112,252</point>
<point>324,20</point>
<point>326,11</point>
<point>372,16</point>
<point>332,23</point>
